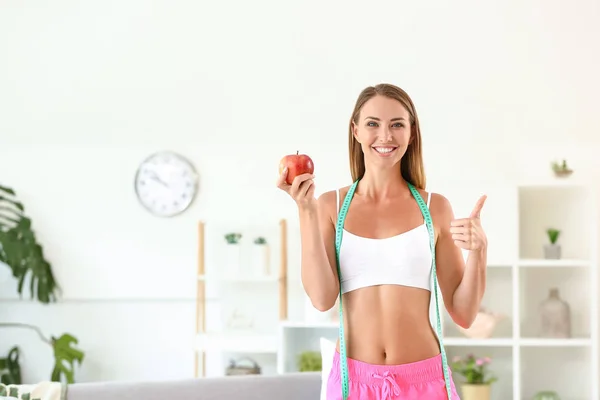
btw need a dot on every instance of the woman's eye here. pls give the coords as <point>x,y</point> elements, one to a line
<point>371,123</point>
<point>398,125</point>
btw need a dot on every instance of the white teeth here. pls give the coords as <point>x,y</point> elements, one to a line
<point>383,149</point>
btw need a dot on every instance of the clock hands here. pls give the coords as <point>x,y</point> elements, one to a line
<point>156,178</point>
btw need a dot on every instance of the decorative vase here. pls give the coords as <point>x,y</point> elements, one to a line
<point>483,326</point>
<point>261,260</point>
<point>555,315</point>
<point>480,391</point>
<point>546,395</point>
<point>238,320</point>
<point>552,251</point>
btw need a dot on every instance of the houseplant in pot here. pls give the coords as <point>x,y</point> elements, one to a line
<point>309,361</point>
<point>552,250</point>
<point>478,380</point>
<point>260,257</point>
<point>21,252</point>
<point>233,253</point>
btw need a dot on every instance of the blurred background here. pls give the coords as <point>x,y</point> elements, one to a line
<point>95,94</point>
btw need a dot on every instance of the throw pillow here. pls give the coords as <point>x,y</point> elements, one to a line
<point>328,349</point>
<point>45,390</point>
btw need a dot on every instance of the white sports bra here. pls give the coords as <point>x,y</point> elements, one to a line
<point>404,259</point>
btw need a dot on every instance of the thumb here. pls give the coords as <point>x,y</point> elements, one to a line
<point>281,179</point>
<point>477,210</point>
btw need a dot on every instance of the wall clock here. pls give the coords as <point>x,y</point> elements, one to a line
<point>166,184</point>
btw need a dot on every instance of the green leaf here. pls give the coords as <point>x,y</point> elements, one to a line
<point>65,357</point>
<point>20,250</point>
<point>24,255</point>
<point>10,369</point>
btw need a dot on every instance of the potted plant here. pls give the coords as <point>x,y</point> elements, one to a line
<point>21,252</point>
<point>233,253</point>
<point>478,380</point>
<point>261,257</point>
<point>309,361</point>
<point>546,395</point>
<point>561,169</point>
<point>552,250</point>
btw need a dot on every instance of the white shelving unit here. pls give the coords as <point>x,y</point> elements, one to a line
<point>297,337</point>
<point>519,279</point>
<point>256,299</point>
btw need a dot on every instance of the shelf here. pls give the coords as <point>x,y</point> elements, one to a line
<point>565,371</point>
<point>499,266</point>
<point>566,208</point>
<point>248,283</point>
<point>465,342</point>
<point>523,342</point>
<point>573,288</point>
<point>543,263</point>
<point>498,300</point>
<point>501,366</point>
<point>234,342</point>
<point>554,185</point>
<point>239,279</point>
<point>309,325</point>
<point>543,342</point>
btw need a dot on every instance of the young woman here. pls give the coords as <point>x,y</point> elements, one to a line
<point>395,243</point>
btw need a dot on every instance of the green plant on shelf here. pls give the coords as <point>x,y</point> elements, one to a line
<point>553,235</point>
<point>309,361</point>
<point>474,369</point>
<point>260,240</point>
<point>24,255</point>
<point>233,237</point>
<point>561,168</point>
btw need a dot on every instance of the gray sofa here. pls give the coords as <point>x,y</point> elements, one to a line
<point>292,386</point>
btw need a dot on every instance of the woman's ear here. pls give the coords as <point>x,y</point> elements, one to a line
<point>355,131</point>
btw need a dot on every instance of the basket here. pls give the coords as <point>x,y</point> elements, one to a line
<point>244,366</point>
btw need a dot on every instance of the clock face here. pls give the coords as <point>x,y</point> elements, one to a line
<point>166,184</point>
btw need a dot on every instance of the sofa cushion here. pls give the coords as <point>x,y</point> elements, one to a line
<point>293,386</point>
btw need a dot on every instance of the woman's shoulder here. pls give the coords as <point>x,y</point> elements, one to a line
<point>332,195</point>
<point>439,205</point>
<point>331,199</point>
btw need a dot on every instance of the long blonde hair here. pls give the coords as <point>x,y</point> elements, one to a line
<point>411,165</point>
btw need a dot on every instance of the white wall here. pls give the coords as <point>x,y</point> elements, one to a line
<point>88,89</point>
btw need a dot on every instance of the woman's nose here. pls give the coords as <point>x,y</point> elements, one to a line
<point>386,134</point>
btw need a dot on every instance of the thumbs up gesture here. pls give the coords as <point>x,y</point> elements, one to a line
<point>467,233</point>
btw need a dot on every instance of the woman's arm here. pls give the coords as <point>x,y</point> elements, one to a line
<point>317,236</point>
<point>462,284</point>
<point>319,270</point>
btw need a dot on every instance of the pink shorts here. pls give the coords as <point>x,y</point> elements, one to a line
<point>421,380</point>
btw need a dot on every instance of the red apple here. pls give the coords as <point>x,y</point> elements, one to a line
<point>297,164</point>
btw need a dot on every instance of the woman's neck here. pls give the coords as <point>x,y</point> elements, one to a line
<point>383,183</point>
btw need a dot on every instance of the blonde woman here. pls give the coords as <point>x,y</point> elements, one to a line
<point>383,245</point>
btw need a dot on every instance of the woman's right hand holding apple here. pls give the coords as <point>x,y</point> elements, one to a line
<point>302,190</point>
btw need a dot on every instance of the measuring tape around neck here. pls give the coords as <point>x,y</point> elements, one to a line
<point>338,243</point>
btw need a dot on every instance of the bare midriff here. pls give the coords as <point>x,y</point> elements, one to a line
<point>388,325</point>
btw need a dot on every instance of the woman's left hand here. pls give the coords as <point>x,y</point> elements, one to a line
<point>467,233</point>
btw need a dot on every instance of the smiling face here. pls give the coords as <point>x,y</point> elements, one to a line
<point>383,130</point>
